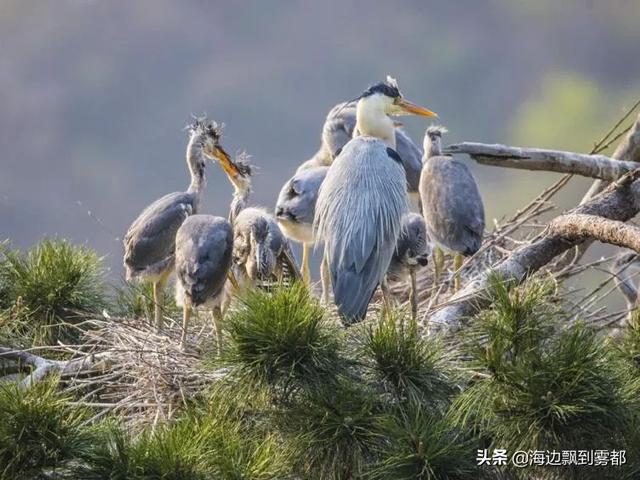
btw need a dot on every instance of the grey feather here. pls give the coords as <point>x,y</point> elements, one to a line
<point>203,257</point>
<point>412,249</point>
<point>260,247</point>
<point>150,241</point>
<point>452,206</point>
<point>296,203</point>
<point>358,213</point>
<point>338,130</point>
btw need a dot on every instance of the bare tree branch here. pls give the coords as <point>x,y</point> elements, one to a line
<point>44,367</point>
<point>620,201</point>
<point>577,226</point>
<point>595,166</point>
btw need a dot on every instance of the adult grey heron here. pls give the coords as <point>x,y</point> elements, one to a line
<point>296,207</point>
<point>362,200</point>
<point>451,204</point>
<point>260,250</point>
<point>340,127</point>
<point>204,246</point>
<point>411,253</point>
<point>150,241</point>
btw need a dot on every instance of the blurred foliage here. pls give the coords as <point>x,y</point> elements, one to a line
<point>49,290</point>
<point>135,300</point>
<point>39,431</point>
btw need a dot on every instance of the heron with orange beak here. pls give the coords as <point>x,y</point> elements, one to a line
<point>149,243</point>
<point>362,200</point>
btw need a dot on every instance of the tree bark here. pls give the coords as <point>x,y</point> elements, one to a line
<point>577,226</point>
<point>594,166</point>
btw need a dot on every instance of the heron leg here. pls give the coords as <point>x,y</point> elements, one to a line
<point>216,316</point>
<point>386,295</point>
<point>413,295</point>
<point>306,273</point>
<point>186,316</point>
<point>326,280</point>
<point>438,265</point>
<point>158,300</point>
<point>457,264</point>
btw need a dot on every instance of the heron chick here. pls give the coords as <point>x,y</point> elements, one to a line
<point>149,243</point>
<point>451,205</point>
<point>412,253</point>
<point>204,246</point>
<point>362,200</point>
<point>260,250</point>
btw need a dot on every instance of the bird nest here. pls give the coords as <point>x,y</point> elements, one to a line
<point>125,368</point>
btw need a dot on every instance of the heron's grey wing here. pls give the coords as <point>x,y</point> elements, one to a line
<point>151,237</point>
<point>452,205</point>
<point>411,156</point>
<point>338,127</point>
<point>358,214</point>
<point>203,256</point>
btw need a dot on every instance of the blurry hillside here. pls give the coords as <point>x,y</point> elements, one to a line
<point>94,95</point>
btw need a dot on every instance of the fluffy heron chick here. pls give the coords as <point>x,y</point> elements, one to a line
<point>261,251</point>
<point>451,204</point>
<point>412,253</point>
<point>149,243</point>
<point>204,246</point>
<point>296,207</point>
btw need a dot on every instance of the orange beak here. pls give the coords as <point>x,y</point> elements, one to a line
<point>414,109</point>
<point>226,163</point>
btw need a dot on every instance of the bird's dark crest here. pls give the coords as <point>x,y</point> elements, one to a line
<point>394,155</point>
<point>388,88</point>
<point>242,163</point>
<point>201,125</point>
<point>436,131</point>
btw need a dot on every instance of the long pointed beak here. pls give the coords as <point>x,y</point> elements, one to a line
<point>414,109</point>
<point>228,165</point>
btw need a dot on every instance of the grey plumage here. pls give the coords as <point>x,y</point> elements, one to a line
<point>260,248</point>
<point>412,249</point>
<point>204,245</point>
<point>296,203</point>
<point>260,251</point>
<point>358,214</point>
<point>339,128</point>
<point>451,202</point>
<point>150,240</point>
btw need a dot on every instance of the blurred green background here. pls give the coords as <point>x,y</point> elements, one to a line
<point>95,94</point>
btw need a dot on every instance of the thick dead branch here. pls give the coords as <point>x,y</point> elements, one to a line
<point>44,367</point>
<point>578,226</point>
<point>621,202</point>
<point>595,166</point>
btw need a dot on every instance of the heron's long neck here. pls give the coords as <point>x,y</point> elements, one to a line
<point>372,121</point>
<point>432,148</point>
<point>240,200</point>
<point>195,162</point>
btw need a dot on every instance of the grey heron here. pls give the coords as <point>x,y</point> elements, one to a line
<point>451,204</point>
<point>411,253</point>
<point>204,246</point>
<point>340,127</point>
<point>296,207</point>
<point>362,200</point>
<point>260,250</point>
<point>150,240</point>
